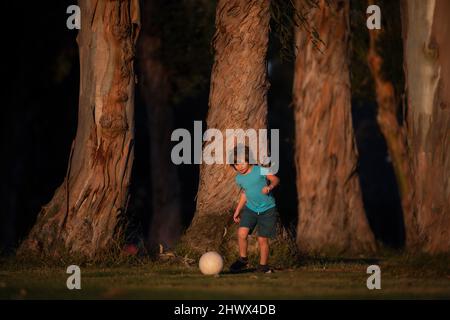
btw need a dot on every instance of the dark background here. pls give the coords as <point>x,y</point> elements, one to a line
<point>39,115</point>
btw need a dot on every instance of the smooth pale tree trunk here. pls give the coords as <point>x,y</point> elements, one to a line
<point>393,132</point>
<point>238,99</point>
<point>87,211</point>
<point>331,213</point>
<point>165,225</point>
<point>426,32</point>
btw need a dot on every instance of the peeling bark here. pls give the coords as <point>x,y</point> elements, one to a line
<point>331,214</point>
<point>85,214</point>
<point>426,31</point>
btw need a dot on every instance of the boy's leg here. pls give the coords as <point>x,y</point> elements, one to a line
<point>264,250</point>
<point>242,240</point>
<point>246,225</point>
<point>242,261</point>
<point>267,223</point>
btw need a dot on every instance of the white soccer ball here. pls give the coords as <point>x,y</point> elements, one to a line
<point>211,263</point>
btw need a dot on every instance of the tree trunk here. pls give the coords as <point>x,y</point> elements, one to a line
<point>237,100</point>
<point>165,226</point>
<point>427,69</point>
<point>85,214</point>
<point>393,132</point>
<point>331,214</point>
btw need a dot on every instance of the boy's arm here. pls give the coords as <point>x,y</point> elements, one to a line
<point>241,203</point>
<point>274,181</point>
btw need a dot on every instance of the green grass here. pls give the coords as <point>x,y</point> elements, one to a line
<point>321,278</point>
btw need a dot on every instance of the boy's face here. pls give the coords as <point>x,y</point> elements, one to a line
<point>242,168</point>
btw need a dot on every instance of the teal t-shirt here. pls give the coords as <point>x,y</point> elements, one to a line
<point>252,183</point>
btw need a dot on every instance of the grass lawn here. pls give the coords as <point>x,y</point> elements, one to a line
<point>401,277</point>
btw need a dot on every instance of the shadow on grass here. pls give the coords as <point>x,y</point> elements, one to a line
<point>248,270</point>
<point>307,261</point>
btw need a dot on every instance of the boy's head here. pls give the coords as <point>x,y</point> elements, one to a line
<point>242,159</point>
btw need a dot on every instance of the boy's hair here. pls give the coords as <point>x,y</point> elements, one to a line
<point>240,150</point>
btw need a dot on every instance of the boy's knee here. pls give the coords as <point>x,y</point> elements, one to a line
<point>263,240</point>
<point>242,233</point>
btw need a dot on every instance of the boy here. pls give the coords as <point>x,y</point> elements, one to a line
<point>256,208</point>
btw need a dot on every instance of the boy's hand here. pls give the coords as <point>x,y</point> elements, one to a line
<point>266,189</point>
<point>236,217</point>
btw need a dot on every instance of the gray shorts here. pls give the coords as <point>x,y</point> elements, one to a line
<point>266,221</point>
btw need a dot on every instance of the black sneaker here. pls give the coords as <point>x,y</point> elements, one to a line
<point>239,264</point>
<point>264,268</point>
